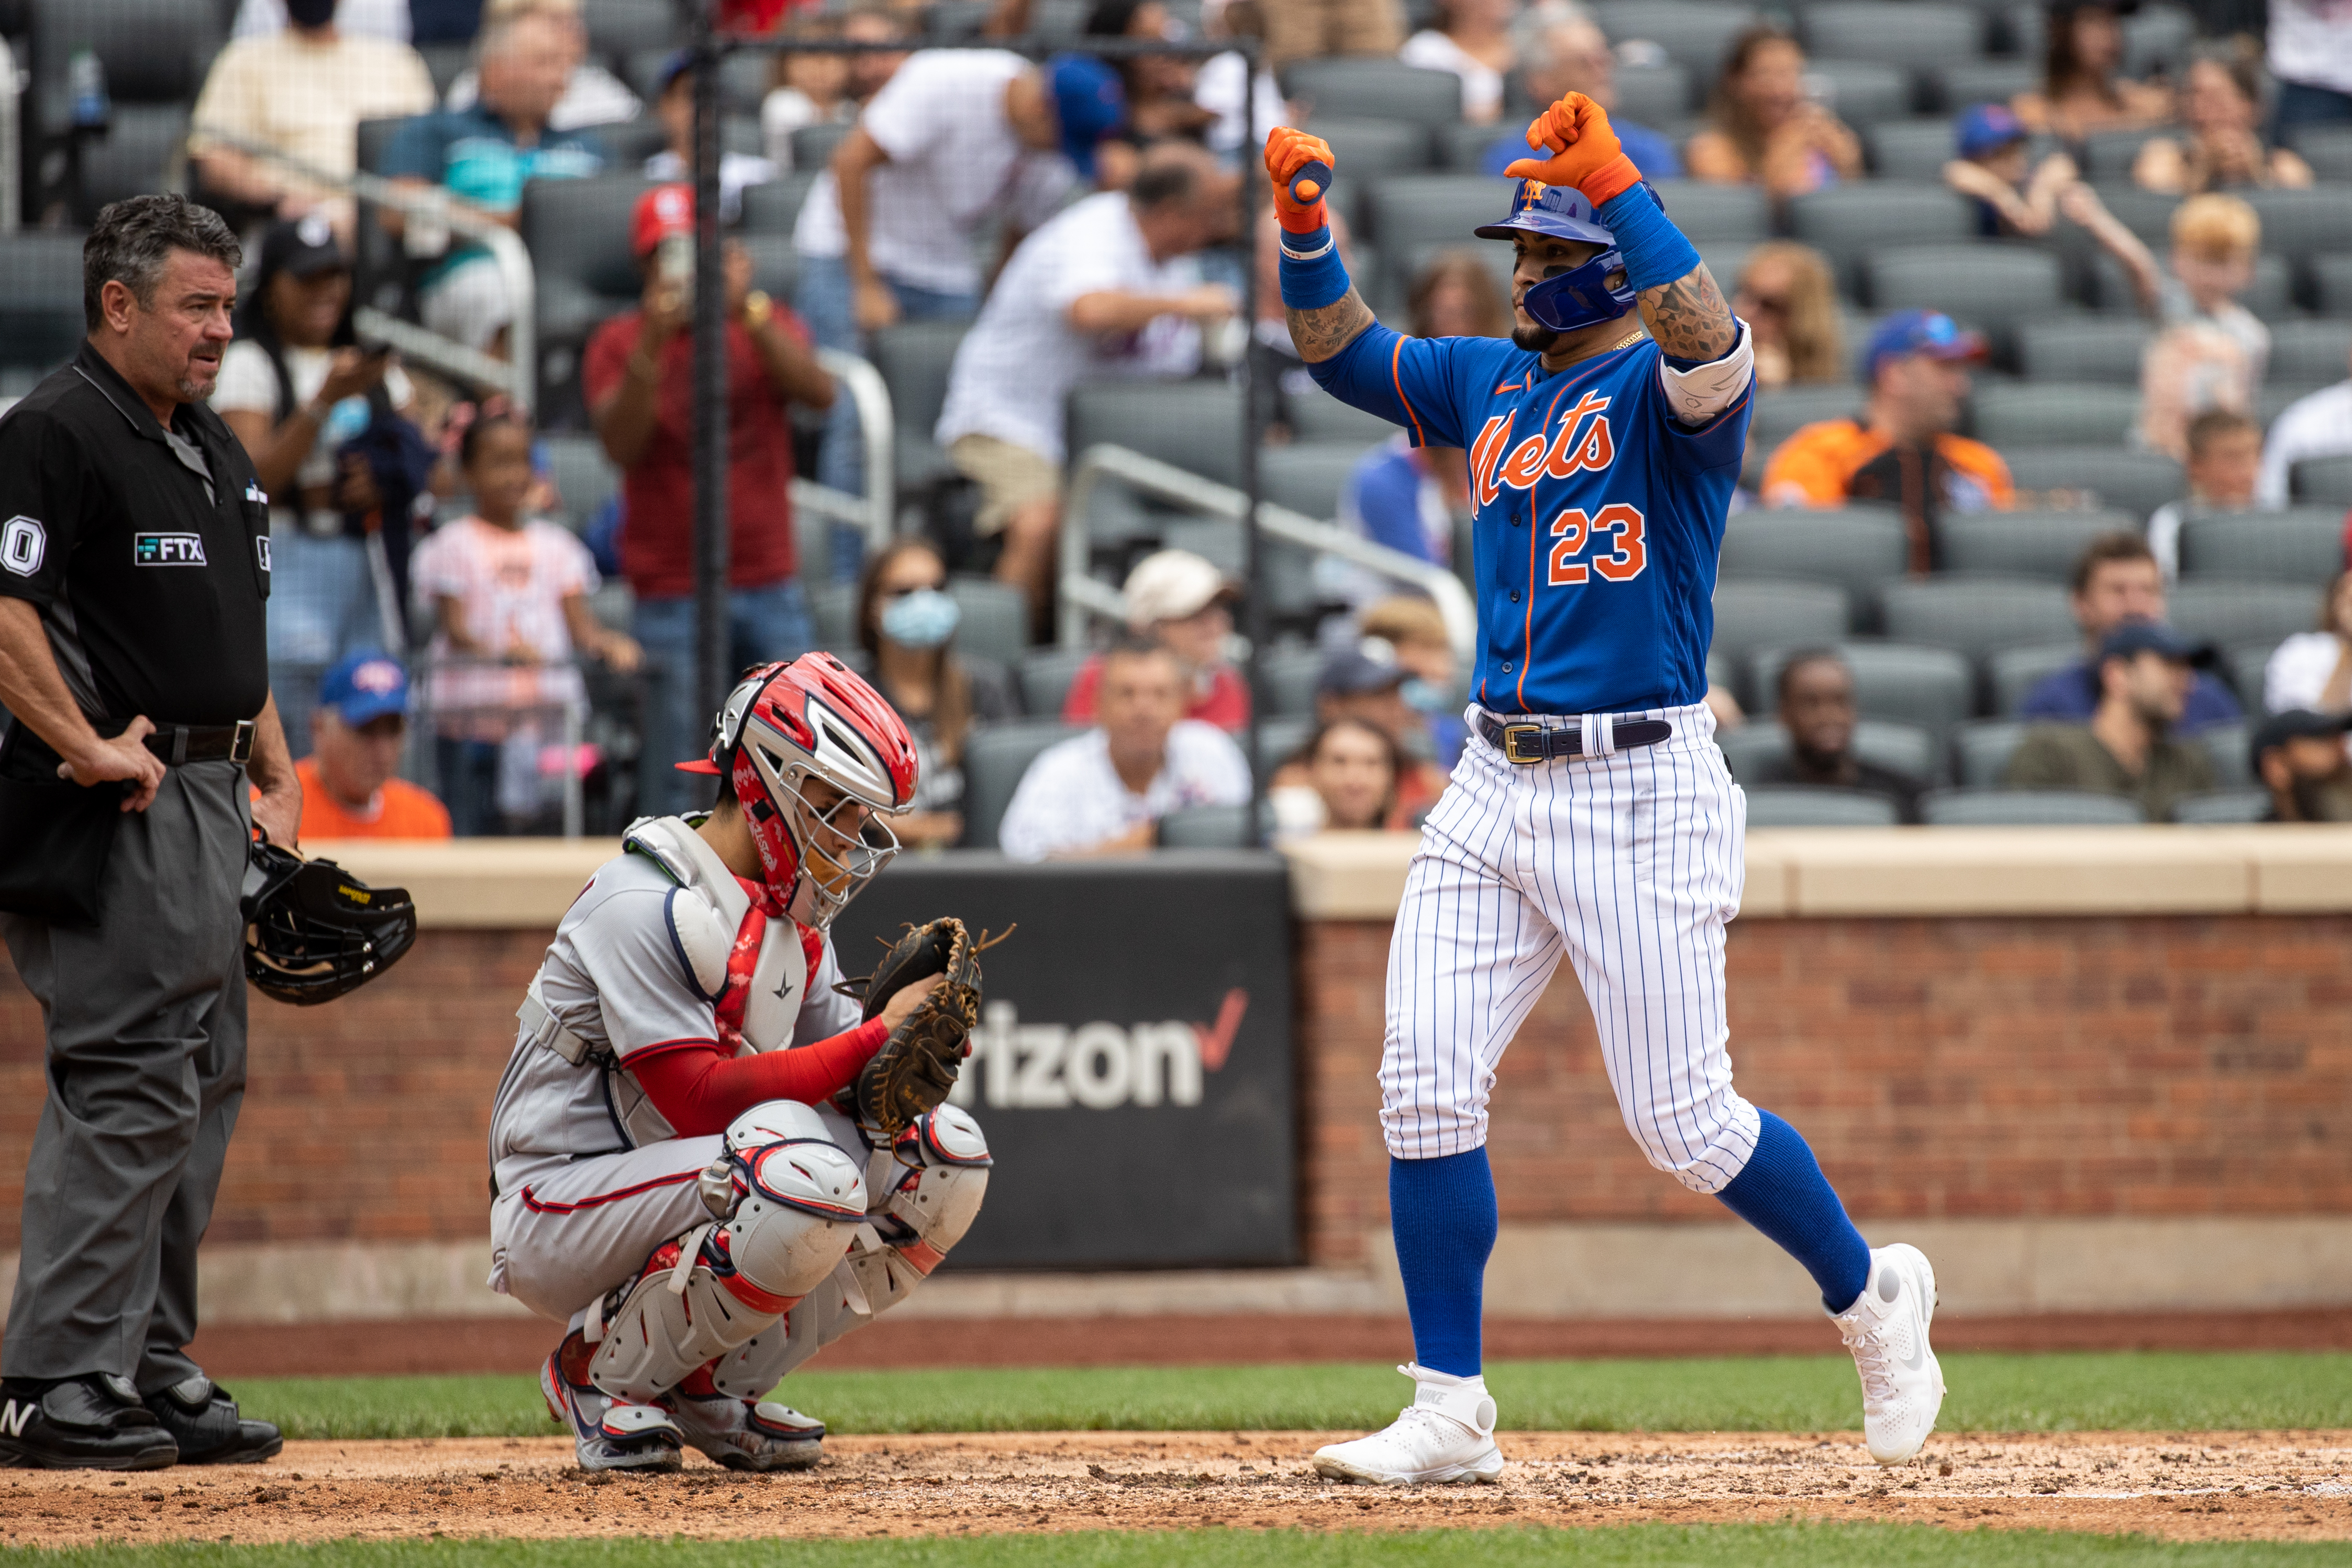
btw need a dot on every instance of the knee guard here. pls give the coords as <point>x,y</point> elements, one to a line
<point>788,1201</point>
<point>936,1177</point>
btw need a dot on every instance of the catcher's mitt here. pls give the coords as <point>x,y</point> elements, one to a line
<point>918,1064</point>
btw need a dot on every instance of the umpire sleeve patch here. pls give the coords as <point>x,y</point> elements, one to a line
<point>24,544</point>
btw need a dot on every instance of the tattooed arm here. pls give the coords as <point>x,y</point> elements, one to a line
<point>1320,334</point>
<point>1688,317</point>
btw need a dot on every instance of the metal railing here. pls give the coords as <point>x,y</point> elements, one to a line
<point>1080,595</point>
<point>876,511</point>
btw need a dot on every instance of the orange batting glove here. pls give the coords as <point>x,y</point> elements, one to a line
<point>1585,152</point>
<point>1292,159</point>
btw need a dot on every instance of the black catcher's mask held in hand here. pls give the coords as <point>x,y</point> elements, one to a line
<point>313,931</point>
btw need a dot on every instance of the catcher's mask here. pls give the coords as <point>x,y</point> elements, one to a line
<point>1577,297</point>
<point>313,931</point>
<point>786,726</point>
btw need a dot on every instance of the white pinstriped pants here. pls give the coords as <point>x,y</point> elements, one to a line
<point>1630,865</point>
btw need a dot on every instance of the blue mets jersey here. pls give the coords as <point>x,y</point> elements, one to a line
<point>1599,515</point>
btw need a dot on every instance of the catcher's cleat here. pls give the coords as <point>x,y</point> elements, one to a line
<point>606,1433</point>
<point>1886,1329</point>
<point>1446,1433</point>
<point>744,1434</point>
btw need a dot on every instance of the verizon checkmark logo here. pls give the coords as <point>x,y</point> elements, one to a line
<point>1096,1066</point>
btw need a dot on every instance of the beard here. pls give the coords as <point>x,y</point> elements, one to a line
<point>1533,340</point>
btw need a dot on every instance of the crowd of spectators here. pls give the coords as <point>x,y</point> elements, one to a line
<point>1079,213</point>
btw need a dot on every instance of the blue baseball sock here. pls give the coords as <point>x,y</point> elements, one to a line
<point>1783,1194</point>
<point>1442,1212</point>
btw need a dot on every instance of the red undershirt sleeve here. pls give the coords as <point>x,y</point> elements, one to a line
<point>699,1089</point>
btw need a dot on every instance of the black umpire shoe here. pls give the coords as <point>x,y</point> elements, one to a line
<point>89,1423</point>
<point>201,1414</point>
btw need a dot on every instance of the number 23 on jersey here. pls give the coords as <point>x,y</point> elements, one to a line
<point>1616,524</point>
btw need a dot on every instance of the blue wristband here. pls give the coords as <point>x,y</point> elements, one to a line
<point>1312,273</point>
<point>1655,251</point>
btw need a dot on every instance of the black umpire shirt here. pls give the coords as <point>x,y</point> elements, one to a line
<point>146,549</point>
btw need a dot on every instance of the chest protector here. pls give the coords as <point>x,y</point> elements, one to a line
<point>706,910</point>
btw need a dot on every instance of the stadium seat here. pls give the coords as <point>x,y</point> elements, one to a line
<point>1407,210</point>
<point>994,759</point>
<point>1660,97</point>
<point>1957,85</point>
<point>2305,223</point>
<point>1932,688</point>
<point>578,234</point>
<point>1046,675</point>
<point>1708,214</point>
<point>2226,744</point>
<point>1280,737</point>
<point>1462,148</point>
<point>1368,149</point>
<point>2244,665</point>
<point>1363,87</point>
<point>2274,399</point>
<point>1990,284</point>
<point>2147,213</point>
<point>2302,545</point>
<point>2108,156</point>
<point>2222,808</point>
<point>1319,416</point>
<point>2327,149</point>
<point>995,621</point>
<point>1754,613</point>
<point>1861,548</point>
<point>1980,750</point>
<point>2054,413</point>
<point>2115,476</point>
<point>812,145</point>
<point>1977,614</point>
<point>2271,296</point>
<point>1290,673</point>
<point>2228,613</point>
<point>2323,480</point>
<point>1695,33</point>
<point>2311,353</point>
<point>1306,477</point>
<point>1844,222</point>
<point>135,156</point>
<point>915,359</point>
<point>2043,545</point>
<point>2015,672</point>
<point>154,53</point>
<point>41,299</point>
<point>1195,426</point>
<point>1913,36</point>
<point>1206,828</point>
<point>583,476</point>
<point>1864,92</point>
<point>1802,806</point>
<point>775,207</point>
<point>1910,150</point>
<point>618,27</point>
<point>445,63</point>
<point>1781,414</point>
<point>2082,349</point>
<point>1905,747</point>
<point>2028,809</point>
<point>833,609</point>
<point>2156,39</point>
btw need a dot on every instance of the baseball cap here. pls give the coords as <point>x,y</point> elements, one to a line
<point>1354,673</point>
<point>1986,126</point>
<point>1089,102</point>
<point>2136,637</point>
<point>1559,212</point>
<point>664,211</point>
<point>2293,724</point>
<point>365,686</point>
<point>676,66</point>
<point>1928,332</point>
<point>1171,584</point>
<point>304,246</point>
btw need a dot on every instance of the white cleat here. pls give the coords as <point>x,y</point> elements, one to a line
<point>1886,1329</point>
<point>1446,1433</point>
<point>748,1435</point>
<point>605,1434</point>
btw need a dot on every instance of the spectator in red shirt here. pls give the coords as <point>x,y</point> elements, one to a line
<point>639,377</point>
<point>1181,602</point>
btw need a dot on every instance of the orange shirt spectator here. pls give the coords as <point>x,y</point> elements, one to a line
<point>360,728</point>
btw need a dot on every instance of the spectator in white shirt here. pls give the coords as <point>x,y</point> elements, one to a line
<point>2311,56</point>
<point>1104,792</point>
<point>1475,44</point>
<point>2319,425</point>
<point>1109,288</point>
<point>674,164</point>
<point>2313,669</point>
<point>592,95</point>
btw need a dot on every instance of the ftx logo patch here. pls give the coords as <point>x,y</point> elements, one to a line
<point>168,549</point>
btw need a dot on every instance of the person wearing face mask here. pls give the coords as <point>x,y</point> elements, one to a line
<point>907,625</point>
<point>1178,601</point>
<point>2298,756</point>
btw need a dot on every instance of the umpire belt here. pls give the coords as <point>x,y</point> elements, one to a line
<point>179,743</point>
<point>1530,744</point>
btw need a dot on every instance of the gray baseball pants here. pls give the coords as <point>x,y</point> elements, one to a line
<point>145,1015</point>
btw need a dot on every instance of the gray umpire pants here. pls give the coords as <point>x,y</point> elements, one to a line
<point>145,1015</point>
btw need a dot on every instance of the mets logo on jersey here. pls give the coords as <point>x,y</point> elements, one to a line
<point>1582,444</point>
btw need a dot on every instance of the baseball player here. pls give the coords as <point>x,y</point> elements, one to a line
<point>1590,815</point>
<point>671,1178</point>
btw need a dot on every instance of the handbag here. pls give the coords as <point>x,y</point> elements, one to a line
<point>54,834</point>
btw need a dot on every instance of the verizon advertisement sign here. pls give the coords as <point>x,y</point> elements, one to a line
<point>1133,1066</point>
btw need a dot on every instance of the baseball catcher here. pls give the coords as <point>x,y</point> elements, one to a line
<point>710,1154</point>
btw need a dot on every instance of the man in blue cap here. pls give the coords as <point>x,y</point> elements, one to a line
<point>2145,671</point>
<point>1902,448</point>
<point>349,787</point>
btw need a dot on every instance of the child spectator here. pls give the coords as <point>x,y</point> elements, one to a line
<point>510,598</point>
<point>1762,129</point>
<point>2220,106</point>
<point>1473,40</point>
<point>1995,169</point>
<point>1344,779</point>
<point>2225,454</point>
<point>1788,299</point>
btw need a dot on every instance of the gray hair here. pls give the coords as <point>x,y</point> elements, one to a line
<point>1531,31</point>
<point>133,239</point>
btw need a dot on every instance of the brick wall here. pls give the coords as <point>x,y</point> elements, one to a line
<point>1942,1067</point>
<point>1959,1068</point>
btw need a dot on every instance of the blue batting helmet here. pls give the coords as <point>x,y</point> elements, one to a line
<point>1581,297</point>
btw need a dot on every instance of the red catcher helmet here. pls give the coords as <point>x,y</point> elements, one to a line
<point>814,719</point>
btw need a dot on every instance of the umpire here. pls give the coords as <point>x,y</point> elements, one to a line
<point>134,575</point>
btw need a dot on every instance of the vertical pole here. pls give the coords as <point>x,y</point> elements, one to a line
<point>1253,603</point>
<point>712,672</point>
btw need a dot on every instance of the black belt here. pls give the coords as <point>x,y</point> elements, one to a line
<point>179,743</point>
<point>1529,743</point>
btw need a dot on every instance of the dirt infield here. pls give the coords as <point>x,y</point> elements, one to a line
<point>2186,1486</point>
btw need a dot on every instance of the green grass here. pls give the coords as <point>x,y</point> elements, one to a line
<point>1631,1546</point>
<point>2136,1391</point>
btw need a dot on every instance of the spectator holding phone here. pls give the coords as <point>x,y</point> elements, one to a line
<point>2220,111</point>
